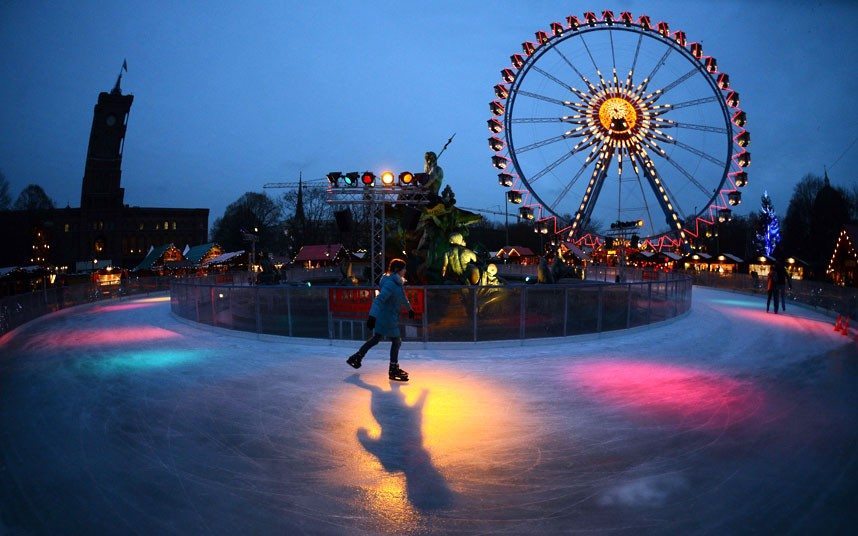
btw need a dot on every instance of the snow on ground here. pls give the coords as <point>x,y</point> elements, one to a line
<point>119,418</point>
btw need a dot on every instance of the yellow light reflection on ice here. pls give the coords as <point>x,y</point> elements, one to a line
<point>413,447</point>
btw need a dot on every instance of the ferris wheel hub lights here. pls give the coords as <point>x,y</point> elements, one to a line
<point>499,162</point>
<point>387,178</point>
<point>505,179</point>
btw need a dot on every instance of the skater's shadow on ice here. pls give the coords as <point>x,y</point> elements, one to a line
<point>399,446</point>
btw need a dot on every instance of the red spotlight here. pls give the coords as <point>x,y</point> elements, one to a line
<point>368,178</point>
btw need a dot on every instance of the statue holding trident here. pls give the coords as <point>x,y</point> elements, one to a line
<point>433,170</point>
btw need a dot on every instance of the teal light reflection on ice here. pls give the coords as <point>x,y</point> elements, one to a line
<point>738,302</point>
<point>144,360</point>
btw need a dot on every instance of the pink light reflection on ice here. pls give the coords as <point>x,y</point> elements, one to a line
<point>680,395</point>
<point>105,337</point>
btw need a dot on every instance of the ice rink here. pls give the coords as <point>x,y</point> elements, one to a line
<point>117,418</point>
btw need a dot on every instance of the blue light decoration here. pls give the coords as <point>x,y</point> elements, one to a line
<point>770,236</point>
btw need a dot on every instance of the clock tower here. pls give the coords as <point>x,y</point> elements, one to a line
<point>101,178</point>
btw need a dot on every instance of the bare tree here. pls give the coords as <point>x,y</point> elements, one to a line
<point>5,198</point>
<point>33,197</point>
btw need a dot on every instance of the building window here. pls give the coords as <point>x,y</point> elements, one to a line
<point>157,226</point>
<point>66,228</point>
<point>166,225</point>
<point>174,226</point>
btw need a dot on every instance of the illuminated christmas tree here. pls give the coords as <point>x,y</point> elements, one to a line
<point>770,235</point>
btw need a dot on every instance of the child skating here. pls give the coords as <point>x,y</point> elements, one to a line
<point>384,318</point>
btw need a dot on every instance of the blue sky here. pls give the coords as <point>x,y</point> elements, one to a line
<point>229,95</point>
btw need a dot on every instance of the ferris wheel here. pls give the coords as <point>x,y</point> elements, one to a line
<point>604,120</point>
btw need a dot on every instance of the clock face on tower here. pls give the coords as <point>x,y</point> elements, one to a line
<point>111,120</point>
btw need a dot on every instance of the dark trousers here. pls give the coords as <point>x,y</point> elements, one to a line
<point>782,293</point>
<point>395,343</point>
<point>773,293</point>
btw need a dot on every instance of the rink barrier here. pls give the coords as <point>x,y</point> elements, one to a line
<point>444,313</point>
<point>19,309</point>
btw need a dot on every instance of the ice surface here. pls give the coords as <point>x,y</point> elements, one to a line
<point>122,419</point>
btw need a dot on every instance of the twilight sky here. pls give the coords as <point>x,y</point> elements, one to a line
<point>229,95</point>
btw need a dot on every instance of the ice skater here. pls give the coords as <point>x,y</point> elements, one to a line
<point>384,318</point>
<point>771,290</point>
<point>782,279</point>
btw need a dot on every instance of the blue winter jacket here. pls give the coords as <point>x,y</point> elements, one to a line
<point>386,306</point>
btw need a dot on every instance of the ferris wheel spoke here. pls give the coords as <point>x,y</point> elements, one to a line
<point>643,194</point>
<point>544,98</point>
<point>525,120</point>
<point>597,180</point>
<point>587,48</point>
<point>665,198</point>
<point>698,152</point>
<point>559,82</point>
<point>547,169</point>
<point>666,123</point>
<point>655,69</point>
<point>547,141</point>
<point>664,108</point>
<point>634,62</point>
<point>613,56</point>
<point>569,63</point>
<point>568,187</point>
<point>678,81</point>
<point>688,175</point>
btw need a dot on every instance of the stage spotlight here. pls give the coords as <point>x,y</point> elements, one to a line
<point>406,178</point>
<point>388,178</point>
<point>351,179</point>
<point>334,178</point>
<point>368,178</point>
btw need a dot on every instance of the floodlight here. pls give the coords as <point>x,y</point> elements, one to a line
<point>388,178</point>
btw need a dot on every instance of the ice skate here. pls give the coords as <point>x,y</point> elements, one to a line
<point>354,360</point>
<point>397,374</point>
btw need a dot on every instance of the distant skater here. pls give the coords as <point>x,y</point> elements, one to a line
<point>782,279</point>
<point>384,318</point>
<point>771,290</point>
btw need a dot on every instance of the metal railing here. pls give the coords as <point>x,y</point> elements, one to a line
<point>817,294</point>
<point>444,313</point>
<point>19,309</point>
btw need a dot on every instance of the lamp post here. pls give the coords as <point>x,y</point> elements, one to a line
<point>253,238</point>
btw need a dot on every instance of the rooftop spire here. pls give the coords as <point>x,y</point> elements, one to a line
<point>116,89</point>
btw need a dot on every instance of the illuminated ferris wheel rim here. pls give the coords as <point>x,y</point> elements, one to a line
<point>634,111</point>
